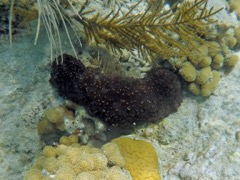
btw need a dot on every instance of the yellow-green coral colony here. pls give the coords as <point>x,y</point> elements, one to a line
<point>117,160</point>
<point>53,120</point>
<point>188,72</point>
<point>202,69</point>
<point>232,60</point>
<point>235,6</point>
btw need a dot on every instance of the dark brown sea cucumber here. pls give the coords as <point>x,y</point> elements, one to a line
<point>117,100</point>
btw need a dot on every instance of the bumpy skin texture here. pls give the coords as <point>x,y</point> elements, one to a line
<point>114,99</point>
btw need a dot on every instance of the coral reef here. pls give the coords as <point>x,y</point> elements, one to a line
<point>76,162</point>
<point>202,69</point>
<point>141,158</point>
<point>182,31</point>
<point>118,159</point>
<point>117,100</point>
<point>70,119</point>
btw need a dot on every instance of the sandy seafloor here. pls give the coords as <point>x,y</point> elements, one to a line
<point>203,137</point>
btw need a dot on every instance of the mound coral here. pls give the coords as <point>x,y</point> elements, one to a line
<point>235,6</point>
<point>122,158</point>
<point>53,120</point>
<point>204,75</point>
<point>203,67</point>
<point>76,162</point>
<point>114,99</point>
<point>141,158</point>
<point>58,121</point>
<point>188,72</point>
<point>232,60</point>
<point>111,151</point>
<point>237,34</point>
<point>210,86</point>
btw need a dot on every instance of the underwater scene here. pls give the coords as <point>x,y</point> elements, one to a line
<point>119,89</point>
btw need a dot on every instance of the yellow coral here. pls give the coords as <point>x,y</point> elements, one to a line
<point>204,75</point>
<point>217,61</point>
<point>206,61</point>
<point>65,173</point>
<point>61,149</point>
<point>188,72</point>
<point>51,165</point>
<point>98,174</point>
<point>85,176</point>
<point>100,161</point>
<point>234,4</point>
<point>34,174</point>
<point>49,151</point>
<point>194,88</point>
<point>225,49</point>
<point>90,162</point>
<point>231,41</point>
<point>44,126</point>
<point>64,161</point>
<point>68,140</point>
<point>60,126</point>
<point>232,60</point>
<point>76,162</point>
<point>111,150</point>
<point>238,13</point>
<point>38,163</point>
<point>116,173</point>
<point>214,48</point>
<point>210,86</point>
<point>196,55</point>
<point>53,120</point>
<point>141,158</point>
<point>86,163</point>
<point>237,34</point>
<point>55,115</point>
<point>73,154</point>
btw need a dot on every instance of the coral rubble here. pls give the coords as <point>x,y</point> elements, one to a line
<point>114,99</point>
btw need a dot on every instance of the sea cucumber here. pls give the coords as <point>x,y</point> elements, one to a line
<point>117,100</point>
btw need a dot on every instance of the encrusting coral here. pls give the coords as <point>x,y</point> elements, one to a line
<point>117,100</point>
<point>141,158</point>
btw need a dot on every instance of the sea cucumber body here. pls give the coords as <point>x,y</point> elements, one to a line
<point>117,100</point>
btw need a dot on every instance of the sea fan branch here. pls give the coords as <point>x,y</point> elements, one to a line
<point>151,31</point>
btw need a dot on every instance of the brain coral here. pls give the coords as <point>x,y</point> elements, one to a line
<point>141,158</point>
<point>117,100</point>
